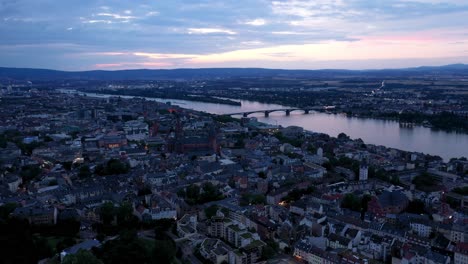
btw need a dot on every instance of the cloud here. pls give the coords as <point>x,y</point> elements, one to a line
<point>211,31</point>
<point>152,13</point>
<point>400,48</point>
<point>116,16</point>
<point>252,43</point>
<point>126,65</point>
<point>227,33</point>
<point>288,33</point>
<point>164,56</point>
<point>434,2</point>
<point>256,22</point>
<point>94,21</point>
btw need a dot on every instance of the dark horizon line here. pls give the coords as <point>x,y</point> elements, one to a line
<point>240,68</point>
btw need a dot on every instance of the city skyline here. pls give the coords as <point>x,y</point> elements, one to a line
<point>109,35</point>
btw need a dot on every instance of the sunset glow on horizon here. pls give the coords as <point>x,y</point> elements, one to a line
<point>292,34</point>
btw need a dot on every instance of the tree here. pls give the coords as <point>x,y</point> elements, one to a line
<point>248,199</point>
<point>395,180</point>
<point>124,212</point>
<point>296,194</point>
<point>28,148</point>
<point>352,202</point>
<point>29,172</point>
<point>107,212</point>
<point>262,175</point>
<point>343,136</point>
<point>416,206</point>
<point>3,141</point>
<point>259,199</point>
<point>6,210</point>
<point>81,257</point>
<point>164,251</point>
<point>161,227</point>
<point>210,193</point>
<point>144,191</point>
<point>84,172</point>
<point>42,248</point>
<point>211,211</point>
<point>232,183</point>
<point>461,190</point>
<point>115,166</point>
<point>125,249</point>
<point>181,193</point>
<point>269,251</point>
<point>192,193</point>
<point>364,205</point>
<point>65,243</point>
<point>67,165</point>
<point>425,182</point>
<point>196,195</point>
<point>18,243</point>
<point>112,167</point>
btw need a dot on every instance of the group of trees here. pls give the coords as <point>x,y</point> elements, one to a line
<point>250,198</point>
<point>176,92</point>
<point>296,194</point>
<point>416,206</point>
<point>345,162</point>
<point>127,248</point>
<point>461,190</point>
<point>115,218</point>
<point>353,165</point>
<point>296,142</point>
<point>355,203</point>
<point>444,121</point>
<point>193,194</point>
<point>425,182</point>
<point>270,250</point>
<point>19,245</point>
<point>25,243</point>
<point>211,210</point>
<point>84,172</point>
<point>15,136</point>
<point>224,118</point>
<point>112,167</point>
<point>22,242</point>
<point>3,140</point>
<point>81,257</point>
<point>30,172</point>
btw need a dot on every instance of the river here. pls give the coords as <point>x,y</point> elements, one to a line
<point>380,132</point>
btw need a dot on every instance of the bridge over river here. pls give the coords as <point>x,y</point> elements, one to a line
<point>286,110</point>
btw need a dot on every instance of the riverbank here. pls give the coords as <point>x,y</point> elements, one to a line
<point>162,95</point>
<point>444,121</point>
<point>387,133</point>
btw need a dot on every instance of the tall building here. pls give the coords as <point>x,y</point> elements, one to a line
<point>363,172</point>
<point>320,152</point>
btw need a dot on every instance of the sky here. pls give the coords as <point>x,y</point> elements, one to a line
<point>79,35</point>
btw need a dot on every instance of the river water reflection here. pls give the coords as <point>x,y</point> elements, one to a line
<point>374,131</point>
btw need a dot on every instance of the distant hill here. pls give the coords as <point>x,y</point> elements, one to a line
<point>210,73</point>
